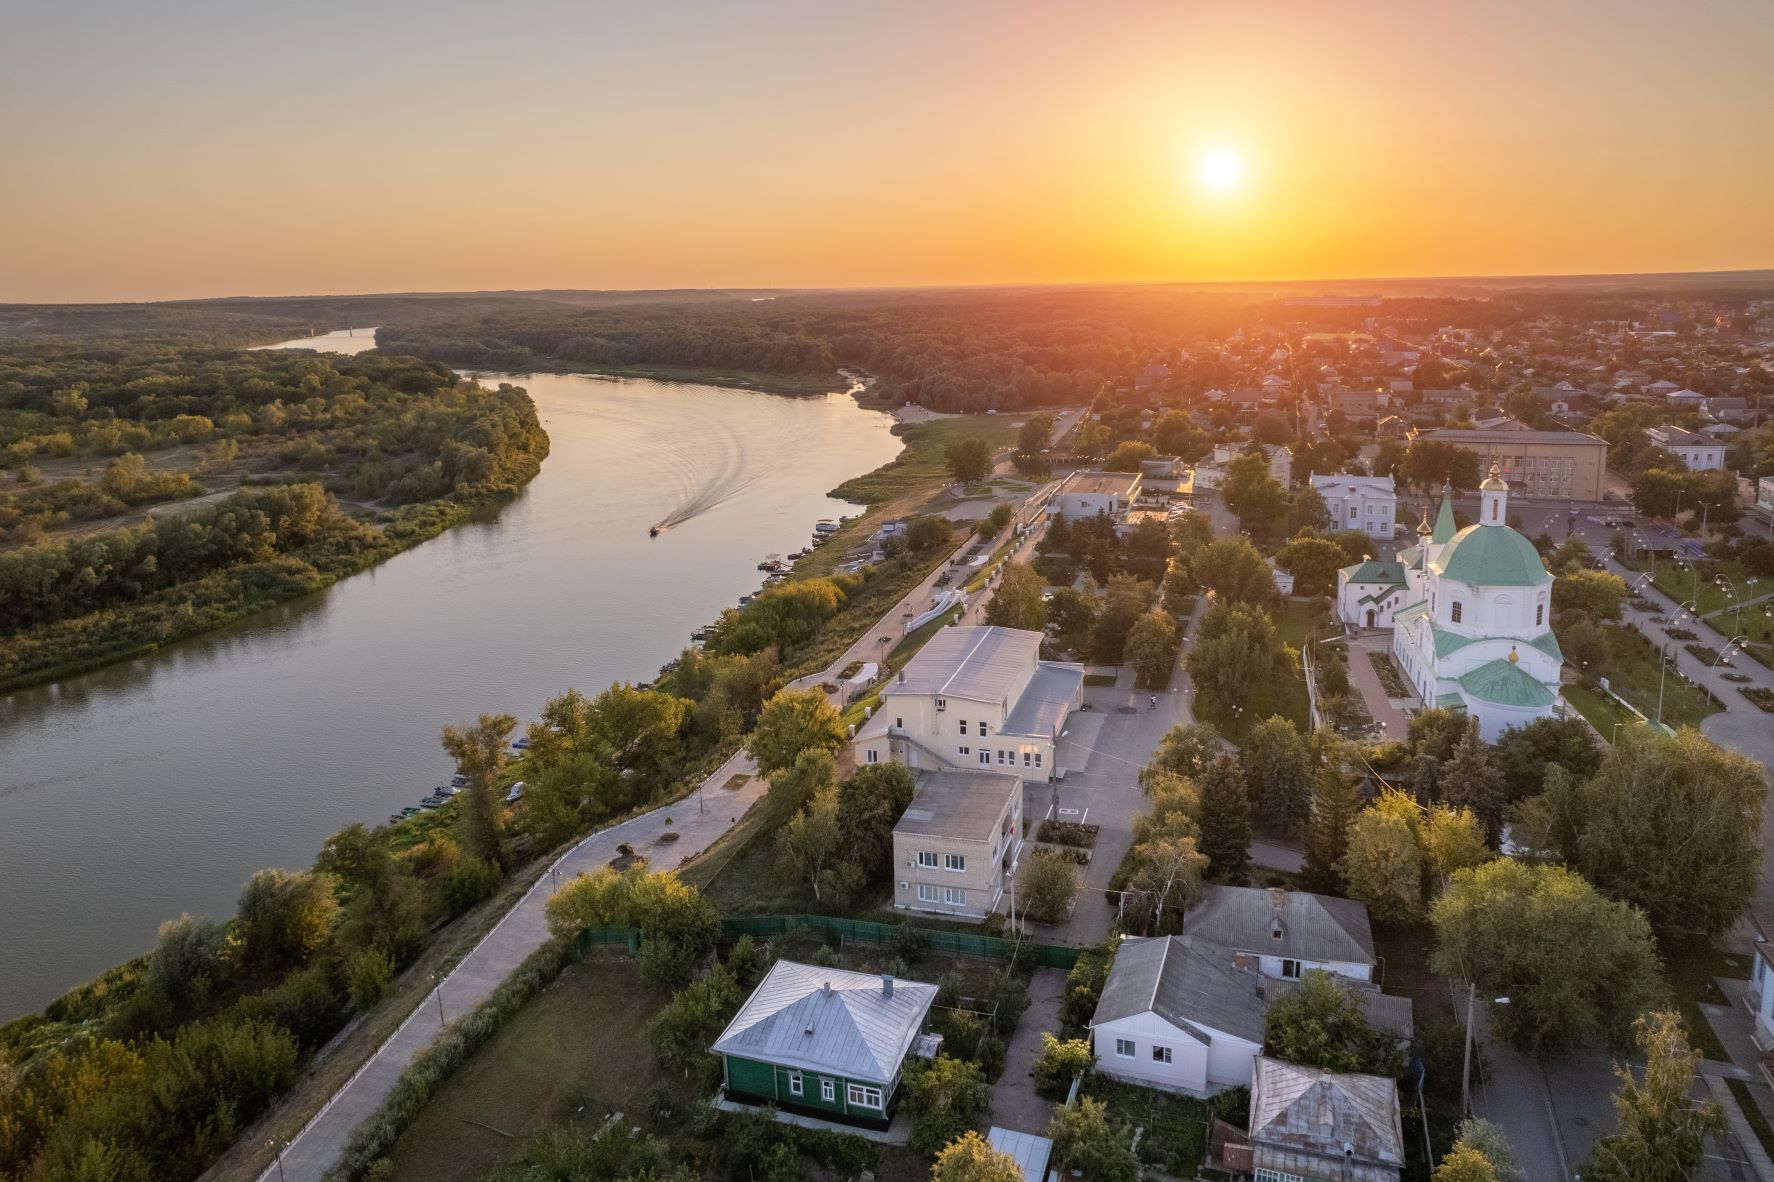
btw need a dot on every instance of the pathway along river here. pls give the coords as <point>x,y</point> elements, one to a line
<point>158,786</point>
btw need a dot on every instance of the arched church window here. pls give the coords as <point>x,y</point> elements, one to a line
<point>1454,612</point>
<point>1539,614</point>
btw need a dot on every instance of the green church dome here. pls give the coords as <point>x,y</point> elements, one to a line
<point>1493,556</point>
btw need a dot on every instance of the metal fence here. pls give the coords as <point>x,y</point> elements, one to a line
<point>1056,956</point>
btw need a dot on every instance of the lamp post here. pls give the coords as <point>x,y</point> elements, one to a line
<point>1663,656</point>
<point>1466,1072</point>
<point>279,1146</point>
<point>437,992</point>
<point>1736,642</point>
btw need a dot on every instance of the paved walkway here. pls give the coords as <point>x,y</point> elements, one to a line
<point>1387,712</point>
<point>698,820</point>
<point>1014,1102</point>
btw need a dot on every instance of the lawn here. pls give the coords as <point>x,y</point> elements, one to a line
<point>1676,579</point>
<point>573,1055</point>
<point>922,463</point>
<point>1632,673</point>
<point>1603,712</point>
<point>1690,969</point>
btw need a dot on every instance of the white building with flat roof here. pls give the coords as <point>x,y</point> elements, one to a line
<point>1698,453</point>
<point>978,698</point>
<point>1366,503</point>
<point>957,843</point>
<point>1086,493</point>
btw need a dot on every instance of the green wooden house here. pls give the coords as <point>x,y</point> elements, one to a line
<point>823,1041</point>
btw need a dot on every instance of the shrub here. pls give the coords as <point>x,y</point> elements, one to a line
<point>1049,887</point>
<point>367,977</point>
<point>1060,1063</point>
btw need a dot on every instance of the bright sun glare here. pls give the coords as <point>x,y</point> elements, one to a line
<point>1221,170</point>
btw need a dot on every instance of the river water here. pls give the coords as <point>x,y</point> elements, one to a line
<point>157,786</point>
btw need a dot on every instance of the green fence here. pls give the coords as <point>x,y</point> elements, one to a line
<point>868,932</point>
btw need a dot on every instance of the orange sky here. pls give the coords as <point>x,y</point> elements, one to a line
<point>196,149</point>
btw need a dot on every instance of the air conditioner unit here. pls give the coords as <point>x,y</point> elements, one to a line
<point>903,885</point>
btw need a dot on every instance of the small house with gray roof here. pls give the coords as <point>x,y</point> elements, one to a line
<point>978,698</point>
<point>1287,933</point>
<point>823,1041</point>
<point>1306,1122</point>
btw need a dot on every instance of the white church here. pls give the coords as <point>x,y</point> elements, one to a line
<point>1470,613</point>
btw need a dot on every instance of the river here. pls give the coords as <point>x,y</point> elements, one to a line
<point>157,786</point>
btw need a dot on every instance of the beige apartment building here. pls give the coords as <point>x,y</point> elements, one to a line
<point>957,843</point>
<point>1559,465</point>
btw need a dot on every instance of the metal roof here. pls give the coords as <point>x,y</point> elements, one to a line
<point>829,1020</point>
<point>960,805</point>
<point>1190,985</point>
<point>1326,1112</point>
<point>1505,683</point>
<point>1493,556</point>
<point>1376,570</point>
<point>1045,701</point>
<point>1031,1152</point>
<point>1276,922</point>
<point>982,664</point>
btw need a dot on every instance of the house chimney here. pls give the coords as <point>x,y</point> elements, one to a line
<point>826,989</point>
<point>902,677</point>
<point>1278,897</point>
<point>887,985</point>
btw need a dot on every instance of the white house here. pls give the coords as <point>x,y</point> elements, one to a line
<point>1088,493</point>
<point>1369,593</point>
<point>1698,453</point>
<point>1179,1016</point>
<point>1366,503</point>
<point>957,842</point>
<point>975,698</point>
<point>1476,631</point>
<point>1286,933</point>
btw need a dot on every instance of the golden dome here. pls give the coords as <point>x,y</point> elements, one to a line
<point>1513,656</point>
<point>1494,482</point>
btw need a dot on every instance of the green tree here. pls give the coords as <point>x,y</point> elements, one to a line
<point>1017,600</point>
<point>968,460</point>
<point>1661,1134</point>
<point>1083,1140</point>
<point>1525,753</point>
<point>1598,594</point>
<point>971,1158</point>
<point>1463,1163</point>
<point>932,530</point>
<point>1127,456</point>
<point>1430,463</point>
<point>1061,1061</point>
<point>283,919</point>
<point>1185,750</point>
<point>1035,434</point>
<point>1235,572</point>
<point>1672,825</point>
<point>367,977</point>
<point>479,751</point>
<point>1152,649</point>
<point>791,722</point>
<point>1225,820</point>
<point>1483,1146</point>
<point>1470,779</point>
<point>1073,614</point>
<point>1320,1023</point>
<point>1046,887</point>
<point>1278,774</point>
<point>1314,563</point>
<point>1238,656</point>
<point>1254,497</point>
<point>998,520</point>
<point>946,1098</point>
<point>813,771</point>
<point>1336,801</point>
<point>1383,867</point>
<point>686,1026</point>
<point>1164,879</point>
<point>870,804</point>
<point>809,848</point>
<point>679,926</point>
<point>1575,966</point>
<point>185,964</point>
<point>1125,600</point>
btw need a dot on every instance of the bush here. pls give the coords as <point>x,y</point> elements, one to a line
<point>946,1098</point>
<point>1084,987</point>
<point>1049,887</point>
<point>1060,1063</point>
<point>367,977</point>
<point>469,883</point>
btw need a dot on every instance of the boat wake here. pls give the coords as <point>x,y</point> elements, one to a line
<point>706,475</point>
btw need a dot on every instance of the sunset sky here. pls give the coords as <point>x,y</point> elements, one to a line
<point>174,149</point>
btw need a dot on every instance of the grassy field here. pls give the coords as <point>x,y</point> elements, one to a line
<point>921,465</point>
<point>1632,672</point>
<point>1677,580</point>
<point>575,1054</point>
<point>1602,711</point>
<point>1690,969</point>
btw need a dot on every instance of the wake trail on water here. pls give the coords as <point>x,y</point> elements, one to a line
<point>709,472</point>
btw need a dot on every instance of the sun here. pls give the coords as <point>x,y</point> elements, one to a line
<point>1221,170</point>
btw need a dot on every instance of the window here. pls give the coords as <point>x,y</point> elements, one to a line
<point>900,723</point>
<point>982,729</point>
<point>1454,612</point>
<point>926,893</point>
<point>942,704</point>
<point>1027,756</point>
<point>963,726</point>
<point>1277,1176</point>
<point>1001,754</point>
<point>1539,614</point>
<point>954,862</point>
<point>794,1083</point>
<point>1037,759</point>
<point>862,1096</point>
<point>985,755</point>
<point>954,896</point>
<point>1160,1054</point>
<point>828,1091</point>
<point>1290,969</point>
<point>873,757</point>
<point>1124,1047</point>
<point>966,750</point>
<point>927,859</point>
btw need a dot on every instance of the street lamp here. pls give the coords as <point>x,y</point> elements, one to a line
<point>1735,643</point>
<point>279,1146</point>
<point>437,992</point>
<point>1466,1073</point>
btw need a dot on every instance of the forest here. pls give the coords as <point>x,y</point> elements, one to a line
<point>264,475</point>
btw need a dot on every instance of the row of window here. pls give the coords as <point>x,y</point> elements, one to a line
<point>1006,757</point>
<point>951,896</point>
<point>1266,1175</point>
<point>955,862</point>
<point>1125,1049</point>
<point>1457,609</point>
<point>856,1095</point>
